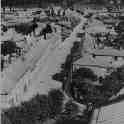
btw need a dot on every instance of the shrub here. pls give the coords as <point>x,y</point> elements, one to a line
<point>60,76</point>
<point>55,99</point>
<point>69,121</point>
<point>71,108</point>
<point>37,109</point>
<point>85,73</point>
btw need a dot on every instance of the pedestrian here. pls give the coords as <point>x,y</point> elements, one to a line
<point>25,87</point>
<point>52,12</point>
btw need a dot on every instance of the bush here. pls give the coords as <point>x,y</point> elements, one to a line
<point>120,74</point>
<point>85,73</point>
<point>59,76</point>
<point>98,95</point>
<point>29,112</point>
<point>69,121</point>
<point>38,109</point>
<point>71,109</point>
<point>4,119</point>
<point>75,47</point>
<point>55,99</point>
<point>113,82</point>
<point>70,115</point>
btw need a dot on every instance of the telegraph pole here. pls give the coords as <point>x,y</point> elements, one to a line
<point>69,77</point>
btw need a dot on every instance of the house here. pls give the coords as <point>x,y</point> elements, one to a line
<point>110,114</point>
<point>101,67</point>
<point>108,52</point>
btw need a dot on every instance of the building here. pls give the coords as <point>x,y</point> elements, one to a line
<point>110,114</point>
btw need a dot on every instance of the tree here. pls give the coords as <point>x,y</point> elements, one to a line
<point>35,110</point>
<point>85,73</point>
<point>71,109</point>
<point>55,100</point>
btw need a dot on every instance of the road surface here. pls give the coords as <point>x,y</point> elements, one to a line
<point>40,79</point>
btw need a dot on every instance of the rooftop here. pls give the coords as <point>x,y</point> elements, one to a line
<point>111,114</point>
<point>89,61</point>
<point>108,52</point>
